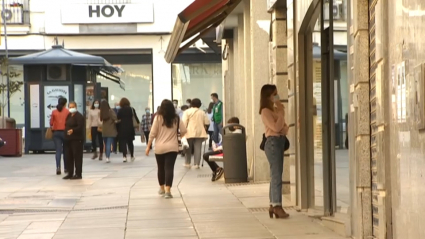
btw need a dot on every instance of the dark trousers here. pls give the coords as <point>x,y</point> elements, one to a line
<point>213,165</point>
<point>124,143</point>
<point>115,145</point>
<point>211,134</point>
<point>147,133</point>
<point>74,156</point>
<point>166,164</point>
<point>96,140</point>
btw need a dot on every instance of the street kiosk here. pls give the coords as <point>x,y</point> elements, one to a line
<point>56,73</point>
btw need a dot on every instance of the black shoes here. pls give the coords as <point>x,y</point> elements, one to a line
<point>219,174</point>
<point>75,177</point>
<point>58,171</point>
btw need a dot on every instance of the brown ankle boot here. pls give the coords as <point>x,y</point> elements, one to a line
<point>101,157</point>
<point>278,212</point>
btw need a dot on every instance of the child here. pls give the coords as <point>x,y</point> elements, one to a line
<point>218,149</point>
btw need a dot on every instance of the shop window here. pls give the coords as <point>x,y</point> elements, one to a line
<point>197,81</point>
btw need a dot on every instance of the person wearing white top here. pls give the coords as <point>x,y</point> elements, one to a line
<point>195,121</point>
<point>211,126</point>
<point>93,124</point>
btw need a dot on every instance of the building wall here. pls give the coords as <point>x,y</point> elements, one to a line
<point>403,27</point>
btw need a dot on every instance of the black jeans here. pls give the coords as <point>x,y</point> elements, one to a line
<point>166,164</point>
<point>211,134</point>
<point>115,145</point>
<point>96,140</point>
<point>147,133</point>
<point>123,147</point>
<point>74,156</point>
<point>213,165</point>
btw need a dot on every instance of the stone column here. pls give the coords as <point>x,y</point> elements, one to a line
<point>280,74</point>
<point>259,77</point>
<point>359,122</point>
<point>249,108</point>
<point>161,76</point>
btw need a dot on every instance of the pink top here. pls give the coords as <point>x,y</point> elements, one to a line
<point>274,121</point>
<point>165,138</point>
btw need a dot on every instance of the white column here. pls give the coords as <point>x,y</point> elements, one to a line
<point>161,74</point>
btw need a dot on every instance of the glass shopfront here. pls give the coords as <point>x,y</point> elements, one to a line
<point>197,80</point>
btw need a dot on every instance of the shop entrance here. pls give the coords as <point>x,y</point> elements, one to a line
<point>322,157</point>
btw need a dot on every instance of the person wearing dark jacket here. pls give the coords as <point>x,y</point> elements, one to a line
<point>74,141</point>
<point>126,129</point>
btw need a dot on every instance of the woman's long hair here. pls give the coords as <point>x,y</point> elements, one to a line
<point>168,113</point>
<point>61,104</point>
<point>210,107</point>
<point>104,110</point>
<point>92,105</point>
<point>266,92</point>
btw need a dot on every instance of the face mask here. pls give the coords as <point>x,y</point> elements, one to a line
<point>276,97</point>
<point>96,105</point>
<point>148,111</point>
<point>72,110</point>
<point>118,107</point>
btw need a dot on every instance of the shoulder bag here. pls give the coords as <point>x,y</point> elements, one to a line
<point>135,124</point>
<point>286,146</point>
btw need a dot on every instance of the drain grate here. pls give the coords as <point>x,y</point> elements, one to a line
<point>245,184</point>
<point>266,209</point>
<point>16,211</point>
<point>204,175</point>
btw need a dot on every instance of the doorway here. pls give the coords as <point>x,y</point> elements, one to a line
<point>319,115</point>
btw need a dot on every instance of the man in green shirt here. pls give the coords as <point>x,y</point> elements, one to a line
<point>217,117</point>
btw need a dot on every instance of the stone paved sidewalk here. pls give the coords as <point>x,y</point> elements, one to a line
<point>120,200</point>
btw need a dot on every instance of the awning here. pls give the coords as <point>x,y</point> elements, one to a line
<point>197,20</point>
<point>59,55</point>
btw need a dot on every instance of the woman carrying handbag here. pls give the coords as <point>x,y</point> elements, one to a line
<point>272,114</point>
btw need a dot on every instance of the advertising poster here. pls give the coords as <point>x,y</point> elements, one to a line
<point>89,102</point>
<point>401,93</point>
<point>51,96</point>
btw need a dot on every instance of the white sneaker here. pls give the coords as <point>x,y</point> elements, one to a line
<point>196,166</point>
<point>132,159</point>
<point>168,195</point>
<point>107,160</point>
<point>124,160</point>
<point>187,165</point>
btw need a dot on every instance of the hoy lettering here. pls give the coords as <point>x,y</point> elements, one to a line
<point>106,10</point>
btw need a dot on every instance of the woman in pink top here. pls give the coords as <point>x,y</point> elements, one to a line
<point>57,123</point>
<point>164,131</point>
<point>273,116</point>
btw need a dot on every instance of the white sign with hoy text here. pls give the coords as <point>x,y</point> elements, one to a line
<point>107,13</point>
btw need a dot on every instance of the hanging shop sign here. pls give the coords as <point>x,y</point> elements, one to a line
<point>107,13</point>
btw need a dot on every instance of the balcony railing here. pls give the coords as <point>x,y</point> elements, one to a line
<point>16,12</point>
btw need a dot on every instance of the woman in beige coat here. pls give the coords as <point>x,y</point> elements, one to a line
<point>109,128</point>
<point>195,121</point>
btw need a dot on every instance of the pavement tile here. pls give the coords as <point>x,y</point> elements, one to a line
<point>37,236</point>
<point>117,201</point>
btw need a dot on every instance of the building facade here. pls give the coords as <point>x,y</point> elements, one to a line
<point>131,34</point>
